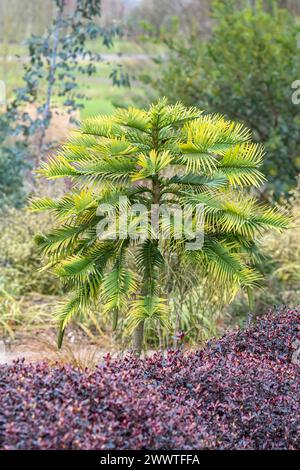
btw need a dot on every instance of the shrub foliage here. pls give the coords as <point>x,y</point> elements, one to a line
<point>250,80</point>
<point>240,392</point>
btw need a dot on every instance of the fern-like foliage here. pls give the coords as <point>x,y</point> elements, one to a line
<point>164,155</point>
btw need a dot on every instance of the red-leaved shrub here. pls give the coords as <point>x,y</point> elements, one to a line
<point>241,392</point>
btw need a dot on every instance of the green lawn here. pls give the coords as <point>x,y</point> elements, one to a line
<point>102,95</point>
<point>127,47</point>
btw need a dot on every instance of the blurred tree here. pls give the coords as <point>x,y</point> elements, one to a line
<point>245,70</point>
<point>37,18</point>
<point>55,59</point>
<point>157,16</point>
<point>113,11</point>
<point>12,167</point>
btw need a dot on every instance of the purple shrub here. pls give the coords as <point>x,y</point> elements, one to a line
<point>240,392</point>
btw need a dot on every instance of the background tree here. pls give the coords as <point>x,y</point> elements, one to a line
<point>245,71</point>
<point>166,155</point>
<point>12,168</point>
<point>54,61</point>
<point>13,28</point>
<point>158,16</point>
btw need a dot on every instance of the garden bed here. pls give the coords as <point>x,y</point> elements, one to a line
<point>241,392</point>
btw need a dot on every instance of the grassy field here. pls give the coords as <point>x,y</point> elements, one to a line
<point>102,96</point>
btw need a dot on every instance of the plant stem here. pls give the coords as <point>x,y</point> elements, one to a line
<point>51,80</point>
<point>138,336</point>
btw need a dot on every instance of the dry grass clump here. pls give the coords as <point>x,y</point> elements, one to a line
<point>20,261</point>
<point>285,250</point>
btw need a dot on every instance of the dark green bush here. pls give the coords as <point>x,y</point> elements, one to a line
<point>245,71</point>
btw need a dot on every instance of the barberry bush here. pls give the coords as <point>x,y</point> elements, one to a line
<point>241,392</point>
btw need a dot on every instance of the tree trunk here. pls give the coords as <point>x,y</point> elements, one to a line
<point>138,336</point>
<point>46,115</point>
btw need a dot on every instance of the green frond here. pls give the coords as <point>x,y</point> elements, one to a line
<point>243,176</point>
<point>163,115</point>
<point>89,262</point>
<point>240,165</point>
<point>68,206</point>
<point>196,159</point>
<point>209,137</point>
<point>80,152</point>
<point>133,118</point>
<point>80,141</point>
<point>141,140</point>
<point>148,258</point>
<point>152,164</point>
<point>112,196</point>
<point>202,182</point>
<point>83,200</point>
<point>212,201</point>
<point>242,215</point>
<point>273,218</point>
<point>115,148</point>
<point>79,302</point>
<point>226,266</point>
<point>60,241</point>
<point>237,213</point>
<point>149,261</point>
<point>236,220</point>
<point>43,204</point>
<point>101,126</point>
<point>117,287</point>
<point>57,167</point>
<point>215,133</point>
<point>100,148</point>
<point>64,313</point>
<point>76,266</point>
<point>118,169</point>
<point>151,310</point>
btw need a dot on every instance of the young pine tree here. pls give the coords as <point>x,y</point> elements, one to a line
<point>167,155</point>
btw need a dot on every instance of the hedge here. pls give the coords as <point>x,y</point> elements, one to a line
<point>241,392</point>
